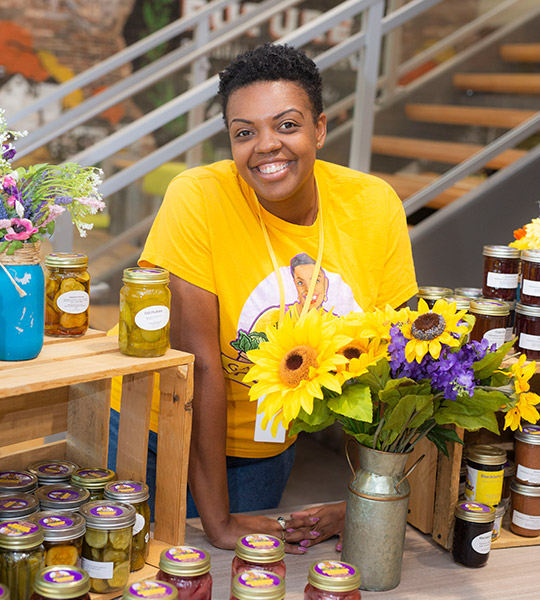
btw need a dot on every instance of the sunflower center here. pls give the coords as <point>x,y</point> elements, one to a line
<point>428,326</point>
<point>294,366</point>
<point>351,352</point>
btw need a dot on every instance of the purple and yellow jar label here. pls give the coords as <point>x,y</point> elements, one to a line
<point>61,576</point>
<point>260,542</point>
<point>13,503</point>
<point>126,488</point>
<point>55,522</point>
<point>150,590</point>
<point>14,478</point>
<point>106,510</point>
<point>258,579</point>
<point>334,568</point>
<point>93,473</point>
<point>475,507</point>
<point>185,554</point>
<point>62,495</point>
<point>18,528</point>
<point>532,429</point>
<point>53,469</point>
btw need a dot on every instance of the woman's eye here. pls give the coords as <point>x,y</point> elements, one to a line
<point>242,133</point>
<point>288,125</point>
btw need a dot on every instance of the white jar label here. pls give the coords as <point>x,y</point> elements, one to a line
<point>529,342</point>
<point>525,521</point>
<point>482,543</point>
<point>98,570</point>
<point>139,524</point>
<point>530,287</point>
<point>496,336</point>
<point>509,334</point>
<point>529,475</point>
<point>496,531</point>
<point>152,318</point>
<point>507,281</point>
<point>73,303</point>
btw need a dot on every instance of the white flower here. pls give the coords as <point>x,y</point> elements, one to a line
<point>19,209</point>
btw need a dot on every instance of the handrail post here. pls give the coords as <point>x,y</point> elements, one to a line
<point>392,56</point>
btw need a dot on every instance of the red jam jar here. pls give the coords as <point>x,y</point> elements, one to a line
<point>527,455</point>
<point>151,590</point>
<point>431,294</point>
<point>259,551</point>
<point>525,519</point>
<point>501,272</point>
<point>491,321</point>
<point>257,585</point>
<point>528,330</point>
<point>468,292</point>
<point>61,583</point>
<point>530,277</point>
<point>332,580</point>
<point>473,531</point>
<point>188,569</point>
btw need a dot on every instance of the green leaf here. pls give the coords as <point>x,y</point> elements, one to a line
<point>354,402</point>
<point>441,436</point>
<point>491,361</point>
<point>409,413</point>
<point>298,425</point>
<point>487,400</point>
<point>377,376</point>
<point>467,415</point>
<point>365,439</point>
<point>319,414</point>
<point>3,246</point>
<point>50,227</point>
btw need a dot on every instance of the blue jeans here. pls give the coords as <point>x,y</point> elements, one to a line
<point>254,483</point>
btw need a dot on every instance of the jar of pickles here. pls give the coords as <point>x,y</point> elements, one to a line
<point>63,537</point>
<point>151,590</point>
<point>106,555</point>
<point>257,585</point>
<point>491,321</point>
<point>17,506</point>
<point>62,498</point>
<point>259,551</point>
<point>93,480</point>
<point>17,481</point>
<point>52,471</point>
<point>145,302</point>
<point>61,583</point>
<point>135,493</point>
<point>332,580</point>
<point>67,294</point>
<point>501,272</point>
<point>188,569</point>
<point>21,556</point>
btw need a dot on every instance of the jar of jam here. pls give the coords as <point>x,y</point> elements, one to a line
<point>525,519</point>
<point>511,320</point>
<point>472,533</point>
<point>67,294</point>
<point>188,569</point>
<point>93,480</point>
<point>530,277</point>
<point>469,292</point>
<point>135,493</point>
<point>106,554</point>
<point>51,472</point>
<point>527,330</point>
<point>431,294</point>
<point>509,473</point>
<point>21,556</point>
<point>62,497</point>
<point>17,481</point>
<point>257,585</point>
<point>259,551</point>
<point>63,537</point>
<point>61,583</point>
<point>501,272</point>
<point>332,580</point>
<point>17,506</point>
<point>145,302</point>
<point>527,455</point>
<point>485,474</point>
<point>461,302</point>
<point>150,590</point>
<point>491,321</point>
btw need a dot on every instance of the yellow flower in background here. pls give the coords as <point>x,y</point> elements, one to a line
<point>525,409</point>
<point>528,237</point>
<point>377,323</point>
<point>522,374</point>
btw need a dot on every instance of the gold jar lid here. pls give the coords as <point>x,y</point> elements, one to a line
<point>260,548</point>
<point>20,535</point>
<point>531,255</point>
<point>92,479</point>
<point>468,292</point>
<point>527,310</point>
<point>62,582</point>
<point>150,590</point>
<point>526,490</point>
<point>474,512</point>
<point>185,561</point>
<point>145,276</point>
<point>529,435</point>
<point>432,292</point>
<point>254,584</point>
<point>485,454</point>
<point>66,259</point>
<point>501,251</point>
<point>334,576</point>
<point>462,302</point>
<point>489,307</point>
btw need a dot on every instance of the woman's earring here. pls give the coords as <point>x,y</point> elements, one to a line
<point>319,144</point>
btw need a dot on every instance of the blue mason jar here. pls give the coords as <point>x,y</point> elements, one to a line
<point>22,304</point>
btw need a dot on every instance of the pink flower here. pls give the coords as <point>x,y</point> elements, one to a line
<point>11,201</point>
<point>9,182</point>
<point>21,229</point>
<point>5,223</point>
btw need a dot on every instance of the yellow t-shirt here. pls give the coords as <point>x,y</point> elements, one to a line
<point>208,233</point>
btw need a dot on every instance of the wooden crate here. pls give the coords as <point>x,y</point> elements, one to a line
<point>57,406</point>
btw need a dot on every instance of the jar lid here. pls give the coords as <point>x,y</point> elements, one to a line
<point>4,592</point>
<point>185,561</point>
<point>486,306</point>
<point>17,481</point>
<point>528,310</point>
<point>52,471</point>
<point>62,496</point>
<point>20,534</point>
<point>432,292</point>
<point>92,479</point>
<point>526,490</point>
<point>60,527</point>
<point>145,276</point>
<point>486,454</point>
<point>334,576</point>
<point>462,302</point>
<point>500,509</point>
<point>126,491</point>
<point>501,251</point>
<point>14,506</point>
<point>474,512</point>
<point>260,548</point>
<point>150,590</point>
<point>66,259</point>
<point>258,585</point>
<point>61,582</point>
<point>468,292</point>
<point>531,255</point>
<point>101,514</point>
<point>529,435</point>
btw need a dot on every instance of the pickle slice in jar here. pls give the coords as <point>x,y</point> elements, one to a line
<point>61,555</point>
<point>71,285</point>
<point>96,538</point>
<point>151,336</point>
<point>121,539</point>
<point>115,556</point>
<point>120,575</point>
<point>100,586</point>
<point>70,321</point>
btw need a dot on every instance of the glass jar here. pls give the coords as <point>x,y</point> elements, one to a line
<point>63,537</point>
<point>332,580</point>
<point>62,498</point>
<point>93,480</point>
<point>51,472</point>
<point>188,569</point>
<point>135,493</point>
<point>106,554</point>
<point>21,556</point>
<point>501,272</point>
<point>511,320</point>
<point>527,330</point>
<point>257,585</point>
<point>431,294</point>
<point>461,302</point>
<point>509,473</point>
<point>491,321</point>
<point>4,592</point>
<point>500,509</point>
<point>525,518</point>
<point>527,454</point>
<point>67,294</point>
<point>473,529</point>
<point>259,551</point>
<point>150,590</point>
<point>530,277</point>
<point>145,302</point>
<point>17,481</point>
<point>17,506</point>
<point>61,583</point>
<point>485,473</point>
<point>469,292</point>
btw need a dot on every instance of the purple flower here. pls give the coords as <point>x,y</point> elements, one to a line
<point>8,151</point>
<point>62,200</point>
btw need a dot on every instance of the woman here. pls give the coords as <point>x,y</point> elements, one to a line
<point>228,233</point>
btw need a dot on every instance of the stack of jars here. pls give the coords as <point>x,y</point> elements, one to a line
<point>525,486</point>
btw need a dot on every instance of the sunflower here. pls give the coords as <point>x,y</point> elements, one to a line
<point>377,323</point>
<point>428,329</point>
<point>290,370</point>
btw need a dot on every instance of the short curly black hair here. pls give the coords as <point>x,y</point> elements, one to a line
<point>272,62</point>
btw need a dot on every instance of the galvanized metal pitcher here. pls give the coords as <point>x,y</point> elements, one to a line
<point>376,517</point>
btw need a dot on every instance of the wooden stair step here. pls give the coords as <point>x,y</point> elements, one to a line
<point>505,118</point>
<point>510,83</point>
<point>446,152</point>
<point>528,53</point>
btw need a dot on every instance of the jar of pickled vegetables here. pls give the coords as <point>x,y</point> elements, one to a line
<point>52,471</point>
<point>17,481</point>
<point>63,537</point>
<point>106,555</point>
<point>135,493</point>
<point>145,302</point>
<point>93,480</point>
<point>62,498</point>
<point>188,569</point>
<point>332,580</point>
<point>4,592</point>
<point>259,551</point>
<point>257,585</point>
<point>67,294</point>
<point>61,583</point>
<point>17,506</point>
<point>151,590</point>
<point>21,556</point>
